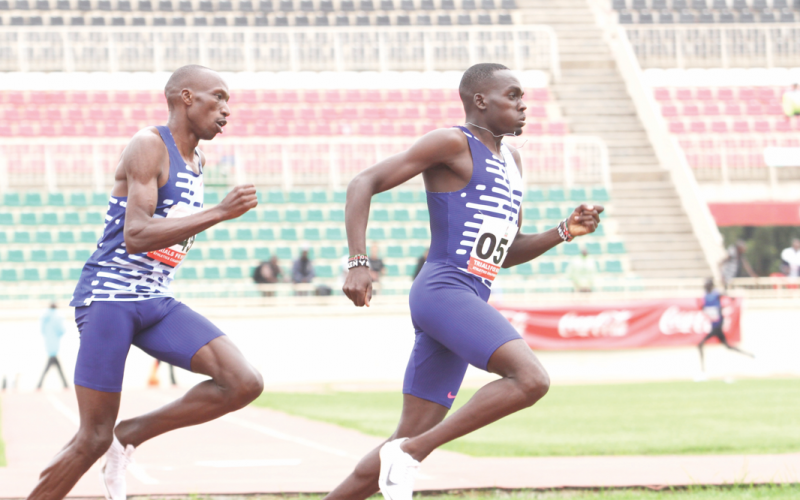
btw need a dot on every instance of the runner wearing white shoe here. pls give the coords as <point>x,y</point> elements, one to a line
<point>398,471</point>
<point>123,296</point>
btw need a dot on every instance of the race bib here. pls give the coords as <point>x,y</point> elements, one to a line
<point>712,312</point>
<point>491,247</point>
<point>175,254</point>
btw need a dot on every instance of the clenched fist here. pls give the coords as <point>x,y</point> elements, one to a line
<point>358,286</point>
<point>584,219</point>
<point>239,200</point>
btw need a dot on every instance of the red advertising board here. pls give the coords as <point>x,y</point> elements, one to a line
<point>624,325</point>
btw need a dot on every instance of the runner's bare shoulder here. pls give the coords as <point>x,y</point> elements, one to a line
<point>442,143</point>
<point>145,153</point>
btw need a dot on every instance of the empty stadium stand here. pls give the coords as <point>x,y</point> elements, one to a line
<point>706,11</point>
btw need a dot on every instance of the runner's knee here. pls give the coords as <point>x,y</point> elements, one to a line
<point>534,382</point>
<point>247,386</point>
<point>94,442</point>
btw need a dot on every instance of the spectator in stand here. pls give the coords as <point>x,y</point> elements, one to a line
<point>735,265</point>
<point>375,264</point>
<point>420,263</point>
<point>268,272</point>
<point>52,331</point>
<point>303,269</point>
<point>582,271</point>
<point>790,259</point>
<point>791,102</point>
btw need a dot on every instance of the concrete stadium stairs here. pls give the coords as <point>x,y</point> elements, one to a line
<point>594,101</point>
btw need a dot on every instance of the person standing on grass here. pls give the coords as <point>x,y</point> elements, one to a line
<point>52,331</point>
<point>474,191</point>
<point>123,296</point>
<point>712,308</point>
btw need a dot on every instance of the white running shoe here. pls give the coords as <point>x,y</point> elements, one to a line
<point>112,475</point>
<point>398,471</point>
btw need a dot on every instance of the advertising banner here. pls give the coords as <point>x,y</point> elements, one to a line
<point>625,325</point>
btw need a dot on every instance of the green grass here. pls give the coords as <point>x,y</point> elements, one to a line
<point>749,416</point>
<point>2,444</point>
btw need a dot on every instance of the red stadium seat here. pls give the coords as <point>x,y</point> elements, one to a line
<point>47,130</point>
<point>111,129</point>
<point>99,97</point>
<point>534,128</point>
<point>15,97</point>
<point>286,113</point>
<point>415,95</point>
<point>669,111</point>
<point>365,129</point>
<point>433,111</point>
<point>710,110</point>
<point>556,128</point>
<point>263,128</point>
<point>766,94</point>
<point>322,128</point>
<point>725,95</point>
<point>704,95</point>
<point>122,97</point>
<point>763,126</point>
<point>436,95</point>
<point>677,127</point>
<point>394,96</point>
<point>138,98</point>
<point>719,127</point>
<point>539,94</point>
<point>352,96</point>
<point>332,96</point>
<point>754,109</point>
<point>330,113</point>
<point>410,112</point>
<point>536,111</point>
<point>290,96</point>
<point>311,96</point>
<point>774,110</point>
<point>26,131</point>
<point>684,95</point>
<point>349,113</point>
<point>372,96</point>
<point>697,127</point>
<point>732,109</point>
<point>746,94</point>
<point>90,130</point>
<point>783,126</point>
<point>373,113</point>
<point>408,129</point>
<point>427,126</point>
<point>662,95</point>
<point>127,130</point>
<point>5,131</point>
<point>386,128</point>
<point>741,127</point>
<point>244,97</point>
<point>691,110</point>
<point>454,112</point>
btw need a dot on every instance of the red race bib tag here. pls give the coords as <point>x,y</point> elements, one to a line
<point>491,247</point>
<point>174,255</point>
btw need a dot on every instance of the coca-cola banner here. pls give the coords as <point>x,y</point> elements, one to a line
<point>625,325</point>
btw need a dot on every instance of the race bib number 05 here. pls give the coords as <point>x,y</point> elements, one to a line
<point>491,247</point>
<point>175,254</point>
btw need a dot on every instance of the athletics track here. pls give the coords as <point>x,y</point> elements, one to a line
<point>263,451</point>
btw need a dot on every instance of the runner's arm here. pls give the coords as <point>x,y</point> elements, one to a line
<point>526,247</point>
<point>432,149</point>
<point>142,162</point>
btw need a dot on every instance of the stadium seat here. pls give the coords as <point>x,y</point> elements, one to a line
<point>328,252</point>
<point>531,213</point>
<point>334,233</point>
<point>297,197</point>
<point>294,216</point>
<point>275,197</point>
<point>244,234</point>
<point>525,269</point>
<point>384,197</point>
<point>380,215</point>
<point>6,219</point>
<point>15,256</point>
<point>78,200</point>
<point>556,194</point>
<point>319,197</point>
<point>22,237</point>
<point>401,215</point>
<point>570,249</point>
<point>211,273</point>
<point>100,199</point>
<point>270,216</point>
<point>392,270</point>
<point>216,253</point>
<point>8,275</point>
<point>187,273</point>
<point>74,273</point>
<point>339,197</point>
<point>262,253</point>
<point>250,216</point>
<point>233,273</point>
<point>30,274</point>
<point>551,213</point>
<point>66,237</point>
<point>398,233</point>
<point>27,219</point>
<point>222,235</point>
<point>323,271</point>
<point>376,233</point>
<point>594,248</point>
<point>56,199</point>
<point>266,234</point>
<point>12,200</point>
<point>94,218</point>
<point>547,268</point>
<point>422,215</point>
<point>81,255</point>
<point>284,253</point>
<point>210,198</point>
<point>613,266</point>
<point>33,200</point>
<point>50,218</point>
<point>72,218</point>
<point>600,194</point>
<point>44,237</point>
<point>577,194</point>
<point>314,215</point>
<point>615,247</point>
<point>311,234</point>
<point>289,234</point>
<point>420,233</point>
<point>336,215</point>
<point>394,252</point>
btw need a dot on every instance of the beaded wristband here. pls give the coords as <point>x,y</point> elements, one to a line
<point>563,231</point>
<point>358,261</point>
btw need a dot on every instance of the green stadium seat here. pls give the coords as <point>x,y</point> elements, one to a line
<point>275,197</point>
<point>59,256</point>
<point>380,215</point>
<point>30,274</point>
<point>600,194</point>
<point>27,219</point>
<point>66,237</point>
<point>336,215</point>
<point>72,218</point>
<point>410,269</point>
<point>401,215</point>
<point>319,197</point>
<point>391,270</point>
<point>328,253</point>
<point>534,195</point>
<point>266,234</point>
<point>314,215</point>
<point>22,237</point>
<point>570,249</point>
<point>416,251</point>
<point>399,233</point>
<point>234,273</point>
<point>556,194</point>
<point>297,197</point>
<point>600,231</point>
<point>244,234</point>
<point>201,236</point>
<point>553,252</point>
<point>3,237</point>
<point>529,228</point>
<point>531,213</point>
<point>525,269</point>
<point>340,196</point>
<point>547,268</point>
<point>100,199</point>
<point>504,271</point>
<point>420,233</point>
<point>8,275</point>
<point>288,233</point>
<point>613,266</point>
<point>250,216</point>
<point>311,234</point>
<point>394,252</point>
<point>33,200</point>
<point>406,197</point>
<point>222,235</point>
<point>15,256</point>
<point>323,271</point>
<point>56,199</point>
<point>334,233</point>
<point>594,248</point>
<point>211,273</point>
<point>6,219</point>
<point>78,199</point>
<point>50,218</point>
<point>81,255</point>
<point>54,274</point>
<point>294,216</point>
<point>577,194</point>
<point>552,213</point>
<point>195,254</point>
<point>270,216</point>
<point>564,266</point>
<point>376,233</point>
<point>284,253</point>
<point>216,253</point>
<point>210,198</point>
<point>74,273</point>
<point>44,237</point>
<point>615,247</point>
<point>88,237</point>
<point>423,215</point>
<point>384,197</point>
<point>262,253</point>
<point>12,200</point>
<point>95,218</point>
<point>187,273</point>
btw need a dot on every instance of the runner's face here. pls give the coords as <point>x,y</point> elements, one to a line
<point>209,110</point>
<point>505,109</point>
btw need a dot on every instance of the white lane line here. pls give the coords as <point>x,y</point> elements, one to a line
<point>136,471</point>
<point>225,464</point>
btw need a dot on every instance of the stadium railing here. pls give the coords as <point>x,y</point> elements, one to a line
<point>385,48</point>
<point>280,162</point>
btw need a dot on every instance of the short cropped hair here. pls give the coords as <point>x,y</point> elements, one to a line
<point>180,79</point>
<point>474,78</point>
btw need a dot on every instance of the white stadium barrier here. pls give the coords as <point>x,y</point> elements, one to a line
<point>385,48</point>
<point>279,162</point>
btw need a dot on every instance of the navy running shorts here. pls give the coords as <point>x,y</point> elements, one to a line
<point>162,327</point>
<point>455,327</point>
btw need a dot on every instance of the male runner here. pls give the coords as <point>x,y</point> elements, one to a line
<point>712,307</point>
<point>474,191</point>
<point>123,296</point>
